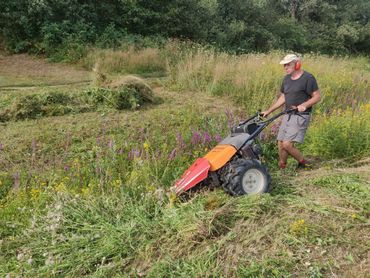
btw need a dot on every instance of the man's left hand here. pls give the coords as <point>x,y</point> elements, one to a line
<point>301,108</point>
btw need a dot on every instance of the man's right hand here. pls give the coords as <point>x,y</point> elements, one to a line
<point>265,113</point>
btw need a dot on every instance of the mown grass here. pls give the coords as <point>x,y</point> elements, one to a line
<point>87,194</point>
<point>128,94</point>
<point>132,233</point>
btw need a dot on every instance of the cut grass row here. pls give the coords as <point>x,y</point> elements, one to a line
<point>282,234</point>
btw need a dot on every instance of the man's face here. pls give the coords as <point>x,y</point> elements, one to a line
<point>289,67</point>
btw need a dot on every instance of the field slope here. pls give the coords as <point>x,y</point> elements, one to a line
<point>87,193</point>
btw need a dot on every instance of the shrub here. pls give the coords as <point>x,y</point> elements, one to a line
<point>343,134</point>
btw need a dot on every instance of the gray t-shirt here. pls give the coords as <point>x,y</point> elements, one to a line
<point>298,91</point>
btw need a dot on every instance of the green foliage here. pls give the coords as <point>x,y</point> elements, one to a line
<point>58,27</point>
<point>344,134</point>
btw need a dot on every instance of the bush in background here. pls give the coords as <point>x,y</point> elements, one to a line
<point>342,134</point>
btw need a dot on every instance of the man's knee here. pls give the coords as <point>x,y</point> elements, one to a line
<point>287,145</point>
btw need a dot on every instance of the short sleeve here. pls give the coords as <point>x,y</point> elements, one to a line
<point>282,87</point>
<point>311,85</point>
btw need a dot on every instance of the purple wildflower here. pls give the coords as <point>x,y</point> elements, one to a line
<point>1,147</point>
<point>66,168</point>
<point>134,153</point>
<point>180,141</point>
<point>218,138</point>
<point>207,138</point>
<point>172,155</point>
<point>230,118</point>
<point>196,138</point>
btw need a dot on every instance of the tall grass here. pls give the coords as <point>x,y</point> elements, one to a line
<point>141,61</point>
<point>253,81</point>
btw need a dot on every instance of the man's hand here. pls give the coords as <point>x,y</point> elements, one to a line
<point>265,113</point>
<point>301,108</point>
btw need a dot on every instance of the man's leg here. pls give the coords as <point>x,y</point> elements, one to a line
<point>288,146</point>
<point>283,155</point>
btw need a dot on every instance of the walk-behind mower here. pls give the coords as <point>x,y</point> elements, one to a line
<point>234,163</point>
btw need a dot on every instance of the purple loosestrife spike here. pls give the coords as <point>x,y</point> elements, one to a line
<point>230,118</point>
<point>180,141</point>
<point>172,155</point>
<point>196,138</point>
<point>1,147</point>
<point>207,138</point>
<point>137,153</point>
<point>134,153</point>
<point>218,138</point>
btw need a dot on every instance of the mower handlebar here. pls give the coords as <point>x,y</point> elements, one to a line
<point>260,115</point>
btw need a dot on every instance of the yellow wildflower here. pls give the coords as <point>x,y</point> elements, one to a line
<point>85,191</point>
<point>146,146</point>
<point>117,183</point>
<point>299,227</point>
<point>61,187</point>
<point>35,193</point>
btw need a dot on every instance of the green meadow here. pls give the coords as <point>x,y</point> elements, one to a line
<point>89,151</point>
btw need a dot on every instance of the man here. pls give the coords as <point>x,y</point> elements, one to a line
<point>298,90</point>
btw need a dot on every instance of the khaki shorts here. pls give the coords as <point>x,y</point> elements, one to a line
<point>293,128</point>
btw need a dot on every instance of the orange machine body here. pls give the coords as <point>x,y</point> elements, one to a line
<point>219,156</point>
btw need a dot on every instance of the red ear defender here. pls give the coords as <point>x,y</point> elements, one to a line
<point>297,65</point>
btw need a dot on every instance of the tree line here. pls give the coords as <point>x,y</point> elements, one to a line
<point>238,26</point>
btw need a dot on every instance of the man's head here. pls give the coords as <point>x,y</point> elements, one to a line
<point>291,62</point>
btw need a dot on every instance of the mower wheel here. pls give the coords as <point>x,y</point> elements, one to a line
<point>245,176</point>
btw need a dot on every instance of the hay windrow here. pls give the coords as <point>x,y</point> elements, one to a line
<point>127,92</point>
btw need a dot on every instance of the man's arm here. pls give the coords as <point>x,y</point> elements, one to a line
<point>316,97</point>
<point>280,101</point>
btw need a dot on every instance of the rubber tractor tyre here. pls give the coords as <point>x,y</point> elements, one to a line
<point>245,176</point>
